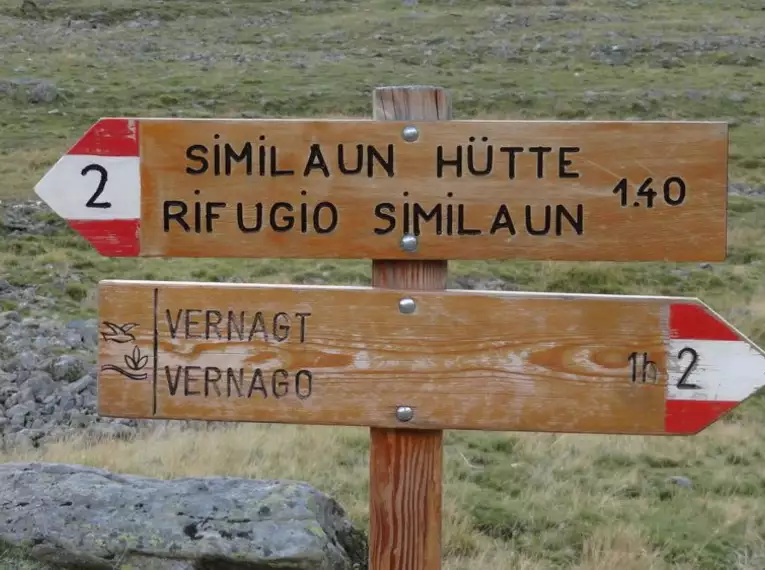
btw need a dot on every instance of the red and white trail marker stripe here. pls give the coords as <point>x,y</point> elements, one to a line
<point>711,367</point>
<point>96,187</point>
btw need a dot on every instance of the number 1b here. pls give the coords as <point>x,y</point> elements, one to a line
<point>642,368</point>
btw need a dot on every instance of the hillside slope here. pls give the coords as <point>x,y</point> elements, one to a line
<point>528,501</point>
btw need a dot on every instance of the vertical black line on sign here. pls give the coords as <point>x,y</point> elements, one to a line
<point>155,351</point>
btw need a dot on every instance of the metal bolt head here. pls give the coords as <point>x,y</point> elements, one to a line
<point>404,413</point>
<point>407,305</point>
<point>409,242</point>
<point>410,133</point>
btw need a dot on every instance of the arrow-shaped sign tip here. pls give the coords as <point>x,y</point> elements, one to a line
<point>712,368</point>
<point>96,187</point>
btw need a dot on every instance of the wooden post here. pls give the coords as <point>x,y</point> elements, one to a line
<point>405,476</point>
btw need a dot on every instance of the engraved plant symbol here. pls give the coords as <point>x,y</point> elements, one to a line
<point>134,363</point>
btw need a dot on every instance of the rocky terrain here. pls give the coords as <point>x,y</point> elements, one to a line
<point>48,378</point>
<point>47,366</point>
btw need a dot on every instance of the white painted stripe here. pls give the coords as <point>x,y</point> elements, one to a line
<point>66,190</point>
<point>728,371</point>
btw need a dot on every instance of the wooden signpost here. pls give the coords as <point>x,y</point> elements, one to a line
<point>603,191</point>
<point>407,358</point>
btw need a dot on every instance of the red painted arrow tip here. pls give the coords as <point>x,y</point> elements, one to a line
<point>688,417</point>
<point>110,238</point>
<point>109,137</point>
<point>691,321</point>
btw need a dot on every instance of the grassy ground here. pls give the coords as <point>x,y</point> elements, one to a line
<point>511,501</point>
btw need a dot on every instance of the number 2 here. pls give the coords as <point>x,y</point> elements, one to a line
<point>681,384</point>
<point>91,203</point>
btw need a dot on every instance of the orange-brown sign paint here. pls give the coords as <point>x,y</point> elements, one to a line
<point>554,190</point>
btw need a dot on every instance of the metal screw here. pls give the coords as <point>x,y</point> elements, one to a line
<point>404,413</point>
<point>410,133</point>
<point>407,305</point>
<point>409,242</point>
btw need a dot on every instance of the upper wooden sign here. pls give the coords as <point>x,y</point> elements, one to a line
<point>552,190</point>
<point>420,359</point>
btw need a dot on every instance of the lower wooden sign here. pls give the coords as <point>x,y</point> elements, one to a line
<point>359,356</point>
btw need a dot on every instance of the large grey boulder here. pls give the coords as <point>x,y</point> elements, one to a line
<point>90,519</point>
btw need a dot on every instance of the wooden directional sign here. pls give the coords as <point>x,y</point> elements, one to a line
<point>459,359</point>
<point>555,190</point>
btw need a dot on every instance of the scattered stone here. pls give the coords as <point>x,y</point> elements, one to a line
<point>82,517</point>
<point>681,273</point>
<point>31,217</point>
<point>681,481</point>
<point>737,97</point>
<point>43,92</point>
<point>742,189</point>
<point>30,90</point>
<point>68,368</point>
<point>45,394</point>
<point>591,97</point>
<point>81,385</point>
<point>480,283</point>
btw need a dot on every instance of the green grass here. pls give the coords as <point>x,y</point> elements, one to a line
<point>528,501</point>
<point>515,59</point>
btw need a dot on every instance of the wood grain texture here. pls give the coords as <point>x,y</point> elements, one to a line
<point>604,229</point>
<point>406,466</point>
<point>405,493</point>
<point>463,360</point>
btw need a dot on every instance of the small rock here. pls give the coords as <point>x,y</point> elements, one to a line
<point>81,385</point>
<point>737,97</point>
<point>17,421</point>
<point>18,440</point>
<point>590,97</point>
<point>19,410</point>
<point>79,420</point>
<point>111,430</point>
<point>68,402</point>
<point>486,284</point>
<point>12,316</point>
<point>43,92</point>
<point>11,400</point>
<point>681,481</point>
<point>38,424</point>
<point>40,385</point>
<point>87,331</point>
<point>26,360</point>
<point>68,368</point>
